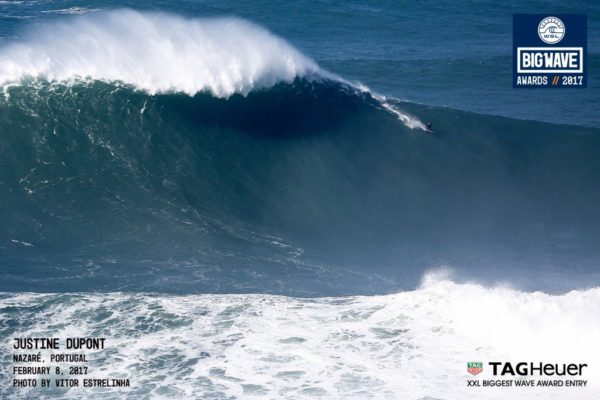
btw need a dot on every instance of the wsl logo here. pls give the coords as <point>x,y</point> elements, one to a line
<point>551,30</point>
<point>549,51</point>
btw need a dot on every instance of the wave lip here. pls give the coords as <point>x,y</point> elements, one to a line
<point>164,53</point>
<point>157,52</point>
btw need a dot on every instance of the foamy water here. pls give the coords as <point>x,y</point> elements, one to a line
<point>157,52</point>
<point>164,53</point>
<point>410,345</point>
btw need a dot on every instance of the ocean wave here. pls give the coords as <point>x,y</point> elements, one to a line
<point>157,52</point>
<point>164,53</point>
<point>182,191</point>
<point>409,345</point>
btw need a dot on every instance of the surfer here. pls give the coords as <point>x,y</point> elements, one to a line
<point>429,126</point>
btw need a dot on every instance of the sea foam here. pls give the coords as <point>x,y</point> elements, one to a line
<point>156,52</point>
<point>409,345</point>
<point>165,53</point>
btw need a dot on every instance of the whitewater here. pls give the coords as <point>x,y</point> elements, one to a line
<point>164,53</point>
<point>409,345</point>
<point>157,52</point>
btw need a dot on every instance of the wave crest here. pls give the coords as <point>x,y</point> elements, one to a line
<point>158,53</point>
<point>164,53</point>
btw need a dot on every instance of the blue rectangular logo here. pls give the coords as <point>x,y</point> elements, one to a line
<point>549,51</point>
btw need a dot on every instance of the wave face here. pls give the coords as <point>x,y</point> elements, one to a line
<point>223,164</point>
<point>410,345</point>
<point>156,52</point>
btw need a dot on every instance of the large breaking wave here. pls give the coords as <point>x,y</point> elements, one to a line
<point>171,163</point>
<point>144,151</point>
<point>157,52</point>
<point>164,53</point>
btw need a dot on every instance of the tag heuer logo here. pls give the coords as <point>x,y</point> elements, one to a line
<point>474,368</point>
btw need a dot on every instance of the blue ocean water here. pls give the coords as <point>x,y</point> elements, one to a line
<point>456,54</point>
<point>243,196</point>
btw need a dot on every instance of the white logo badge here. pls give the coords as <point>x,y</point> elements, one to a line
<point>551,30</point>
